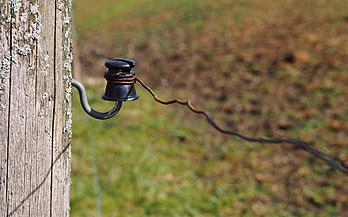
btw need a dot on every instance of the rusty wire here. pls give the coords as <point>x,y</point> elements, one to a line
<point>307,147</point>
<point>129,81</point>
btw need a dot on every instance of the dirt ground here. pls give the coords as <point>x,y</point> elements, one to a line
<point>280,70</point>
<point>263,73</point>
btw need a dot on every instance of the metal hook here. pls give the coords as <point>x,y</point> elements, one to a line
<point>87,108</point>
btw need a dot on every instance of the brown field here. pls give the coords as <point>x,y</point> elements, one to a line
<point>266,68</point>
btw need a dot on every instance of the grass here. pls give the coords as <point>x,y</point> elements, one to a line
<point>148,162</point>
<point>112,23</point>
<point>141,164</point>
<point>152,160</point>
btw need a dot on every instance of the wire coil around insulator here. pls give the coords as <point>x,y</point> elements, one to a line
<point>120,81</point>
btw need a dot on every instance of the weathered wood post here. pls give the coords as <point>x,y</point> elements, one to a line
<point>35,109</point>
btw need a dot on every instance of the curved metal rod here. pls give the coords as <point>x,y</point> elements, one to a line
<point>87,108</point>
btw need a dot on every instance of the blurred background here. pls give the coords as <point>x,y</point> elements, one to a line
<point>263,67</point>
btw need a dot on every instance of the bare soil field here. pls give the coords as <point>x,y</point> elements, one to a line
<point>266,68</point>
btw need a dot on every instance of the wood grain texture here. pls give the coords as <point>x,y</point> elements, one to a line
<point>5,63</point>
<point>35,107</point>
<point>62,139</point>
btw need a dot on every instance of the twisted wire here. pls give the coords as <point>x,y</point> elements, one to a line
<point>307,147</point>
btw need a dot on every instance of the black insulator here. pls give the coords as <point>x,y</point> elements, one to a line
<point>121,79</point>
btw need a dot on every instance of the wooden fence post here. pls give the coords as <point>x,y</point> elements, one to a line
<point>35,107</point>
